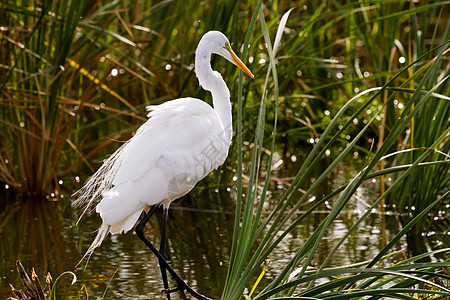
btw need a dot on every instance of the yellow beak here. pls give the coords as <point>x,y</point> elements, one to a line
<point>239,62</point>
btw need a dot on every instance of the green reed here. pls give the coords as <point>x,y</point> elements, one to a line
<point>259,236</point>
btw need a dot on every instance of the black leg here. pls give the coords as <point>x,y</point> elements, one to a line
<point>182,286</point>
<point>161,251</point>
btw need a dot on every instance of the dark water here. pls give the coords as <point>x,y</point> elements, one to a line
<point>44,235</point>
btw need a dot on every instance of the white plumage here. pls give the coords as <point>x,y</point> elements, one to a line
<point>182,142</point>
<point>185,146</point>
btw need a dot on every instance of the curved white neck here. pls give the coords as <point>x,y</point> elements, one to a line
<point>212,81</point>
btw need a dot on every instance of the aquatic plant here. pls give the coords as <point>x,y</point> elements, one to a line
<point>35,121</point>
<point>256,237</point>
<point>41,94</point>
<point>33,287</point>
<point>424,185</point>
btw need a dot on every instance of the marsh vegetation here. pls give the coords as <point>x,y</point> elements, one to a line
<point>338,174</point>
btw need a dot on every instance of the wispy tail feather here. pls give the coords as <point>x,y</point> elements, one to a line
<point>102,232</point>
<point>102,181</point>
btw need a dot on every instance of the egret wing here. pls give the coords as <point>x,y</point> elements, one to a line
<point>184,138</point>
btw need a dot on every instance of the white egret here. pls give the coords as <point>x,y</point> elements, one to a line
<point>182,141</point>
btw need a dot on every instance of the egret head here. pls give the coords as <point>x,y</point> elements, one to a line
<point>216,42</point>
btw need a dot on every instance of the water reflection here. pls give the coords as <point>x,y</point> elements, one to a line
<point>44,235</point>
<point>33,231</point>
<point>197,249</point>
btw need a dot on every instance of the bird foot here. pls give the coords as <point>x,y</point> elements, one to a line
<point>168,291</point>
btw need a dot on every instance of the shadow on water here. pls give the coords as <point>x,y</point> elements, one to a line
<point>44,235</point>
